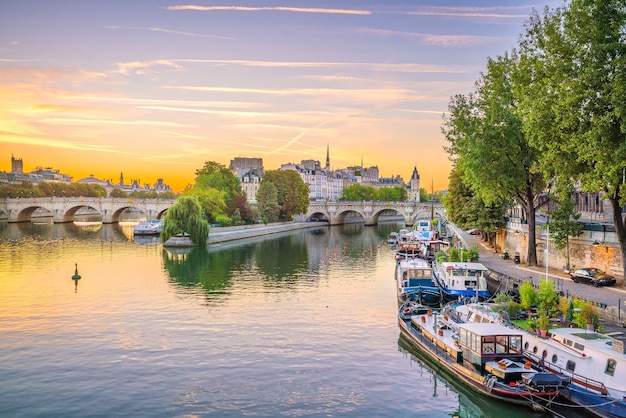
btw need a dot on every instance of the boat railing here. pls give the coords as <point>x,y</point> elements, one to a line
<point>576,378</point>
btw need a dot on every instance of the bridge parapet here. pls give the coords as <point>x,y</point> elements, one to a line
<point>370,211</point>
<point>63,209</point>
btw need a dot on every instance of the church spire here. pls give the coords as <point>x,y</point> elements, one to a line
<point>327,156</point>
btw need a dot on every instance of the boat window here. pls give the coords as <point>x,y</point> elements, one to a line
<point>515,344</point>
<point>579,346</point>
<point>535,349</point>
<point>501,344</point>
<point>488,344</point>
<point>544,353</point>
<point>554,358</point>
<point>526,345</point>
<point>568,342</point>
<point>478,319</point>
<point>570,366</point>
<point>610,367</point>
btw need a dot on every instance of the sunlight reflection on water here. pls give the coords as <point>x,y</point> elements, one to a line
<point>302,324</point>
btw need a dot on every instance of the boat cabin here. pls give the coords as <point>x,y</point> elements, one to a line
<point>492,348</point>
<point>464,275</point>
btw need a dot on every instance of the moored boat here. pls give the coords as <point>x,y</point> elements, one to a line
<point>462,281</point>
<point>486,358</point>
<point>150,227</point>
<point>595,363</point>
<point>415,281</point>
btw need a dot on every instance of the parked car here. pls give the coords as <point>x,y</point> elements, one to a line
<point>592,275</point>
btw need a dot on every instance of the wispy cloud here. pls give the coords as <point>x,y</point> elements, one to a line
<point>278,9</point>
<point>11,137</point>
<point>433,39</point>
<point>141,67</point>
<point>73,121</point>
<point>399,67</point>
<point>172,31</point>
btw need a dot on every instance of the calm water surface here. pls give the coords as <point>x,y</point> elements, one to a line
<point>297,325</point>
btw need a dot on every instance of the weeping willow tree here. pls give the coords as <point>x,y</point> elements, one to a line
<point>185,216</point>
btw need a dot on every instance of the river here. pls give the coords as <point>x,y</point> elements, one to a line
<point>300,324</point>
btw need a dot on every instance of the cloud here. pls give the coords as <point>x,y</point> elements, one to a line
<point>172,31</point>
<point>11,137</point>
<point>277,9</point>
<point>140,67</point>
<point>71,121</point>
<point>433,39</point>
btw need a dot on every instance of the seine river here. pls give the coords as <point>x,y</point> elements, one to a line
<point>301,324</point>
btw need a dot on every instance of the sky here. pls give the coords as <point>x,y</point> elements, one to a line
<point>154,89</point>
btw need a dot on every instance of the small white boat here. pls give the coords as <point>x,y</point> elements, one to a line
<point>151,227</point>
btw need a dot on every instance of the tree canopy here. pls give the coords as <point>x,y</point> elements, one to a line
<point>573,104</point>
<point>489,145</point>
<point>292,193</point>
<point>185,216</point>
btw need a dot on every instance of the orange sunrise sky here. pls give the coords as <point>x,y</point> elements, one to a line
<point>155,88</point>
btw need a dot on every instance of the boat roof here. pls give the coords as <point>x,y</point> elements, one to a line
<point>414,263</point>
<point>591,339</point>
<point>453,265</point>
<point>489,328</point>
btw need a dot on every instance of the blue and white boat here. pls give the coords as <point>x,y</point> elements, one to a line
<point>462,281</point>
<point>416,282</point>
<point>151,227</point>
<point>595,363</point>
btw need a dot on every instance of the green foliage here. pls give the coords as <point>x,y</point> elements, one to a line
<point>357,191</point>
<point>458,255</point>
<point>548,298</point>
<point>267,202</point>
<point>185,216</point>
<point>563,218</point>
<point>528,295</point>
<point>543,322</point>
<point>214,175</point>
<point>572,98</point>
<point>588,314</point>
<point>292,193</point>
<point>211,200</point>
<point>224,220</point>
<point>117,192</point>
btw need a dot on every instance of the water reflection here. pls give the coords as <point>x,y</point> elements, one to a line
<point>51,231</point>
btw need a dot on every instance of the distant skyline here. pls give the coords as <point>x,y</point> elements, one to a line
<point>156,88</point>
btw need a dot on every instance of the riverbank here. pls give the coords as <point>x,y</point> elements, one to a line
<point>231,233</point>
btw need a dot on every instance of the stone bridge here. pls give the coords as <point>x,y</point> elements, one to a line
<point>335,213</point>
<point>63,209</point>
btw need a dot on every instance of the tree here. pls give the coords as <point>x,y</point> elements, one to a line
<point>292,193</point>
<point>241,210</point>
<point>267,201</point>
<point>185,216</point>
<point>574,107</point>
<point>117,192</point>
<point>488,142</point>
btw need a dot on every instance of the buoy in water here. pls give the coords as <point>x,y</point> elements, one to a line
<point>76,276</point>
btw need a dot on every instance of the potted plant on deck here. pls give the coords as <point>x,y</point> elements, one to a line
<point>543,323</point>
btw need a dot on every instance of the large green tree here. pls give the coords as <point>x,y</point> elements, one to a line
<point>488,142</point>
<point>574,107</point>
<point>292,192</point>
<point>217,189</point>
<point>267,202</point>
<point>185,216</point>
